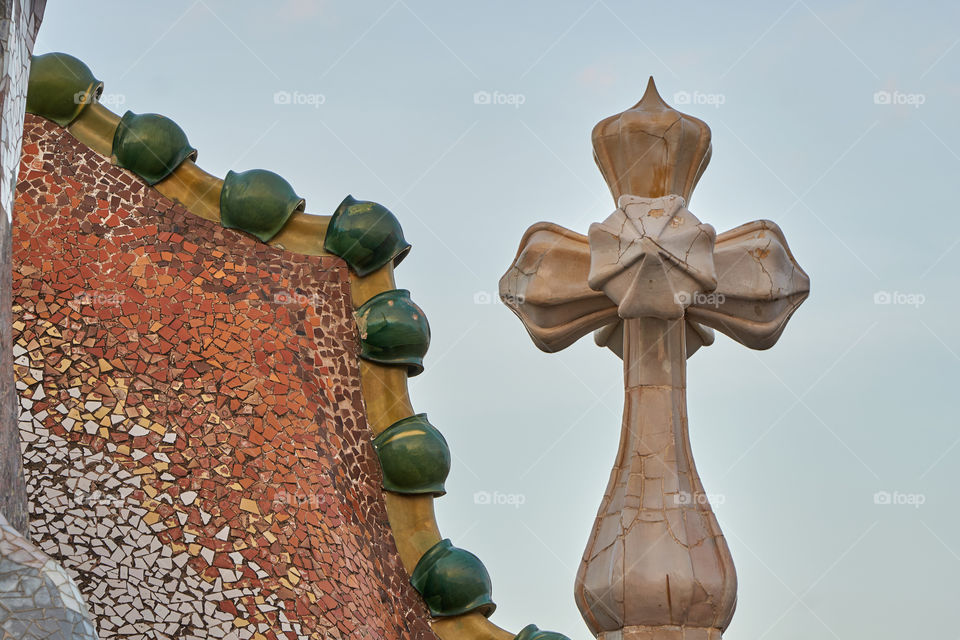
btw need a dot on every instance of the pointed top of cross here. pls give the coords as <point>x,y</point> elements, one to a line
<point>651,150</point>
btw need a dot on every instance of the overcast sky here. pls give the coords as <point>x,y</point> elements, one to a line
<point>836,120</point>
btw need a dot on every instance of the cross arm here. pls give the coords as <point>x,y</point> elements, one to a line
<point>546,287</point>
<point>759,286</point>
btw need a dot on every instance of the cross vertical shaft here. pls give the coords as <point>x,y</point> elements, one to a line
<point>655,534</point>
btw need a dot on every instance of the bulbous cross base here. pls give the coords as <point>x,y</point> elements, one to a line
<point>656,559</point>
<point>661,633</point>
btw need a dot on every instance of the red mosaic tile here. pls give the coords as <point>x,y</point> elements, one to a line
<point>196,449</point>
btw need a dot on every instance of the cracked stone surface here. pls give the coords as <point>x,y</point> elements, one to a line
<point>651,150</point>
<point>653,282</point>
<point>759,286</point>
<point>656,555</point>
<point>651,257</point>
<point>38,600</point>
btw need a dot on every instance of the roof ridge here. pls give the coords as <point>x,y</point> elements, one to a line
<point>153,147</point>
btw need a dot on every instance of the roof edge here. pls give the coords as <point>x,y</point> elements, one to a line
<point>52,80</point>
<point>197,190</point>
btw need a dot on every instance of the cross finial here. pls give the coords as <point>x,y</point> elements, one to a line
<point>651,150</point>
<point>653,281</point>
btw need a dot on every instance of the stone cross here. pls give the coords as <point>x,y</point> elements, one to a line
<point>653,282</point>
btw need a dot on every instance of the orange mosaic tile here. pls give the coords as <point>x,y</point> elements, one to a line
<point>195,446</point>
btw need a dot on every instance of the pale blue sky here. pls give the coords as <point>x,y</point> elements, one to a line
<point>856,398</point>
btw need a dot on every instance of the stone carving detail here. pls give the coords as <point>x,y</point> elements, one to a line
<point>651,257</point>
<point>654,282</point>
